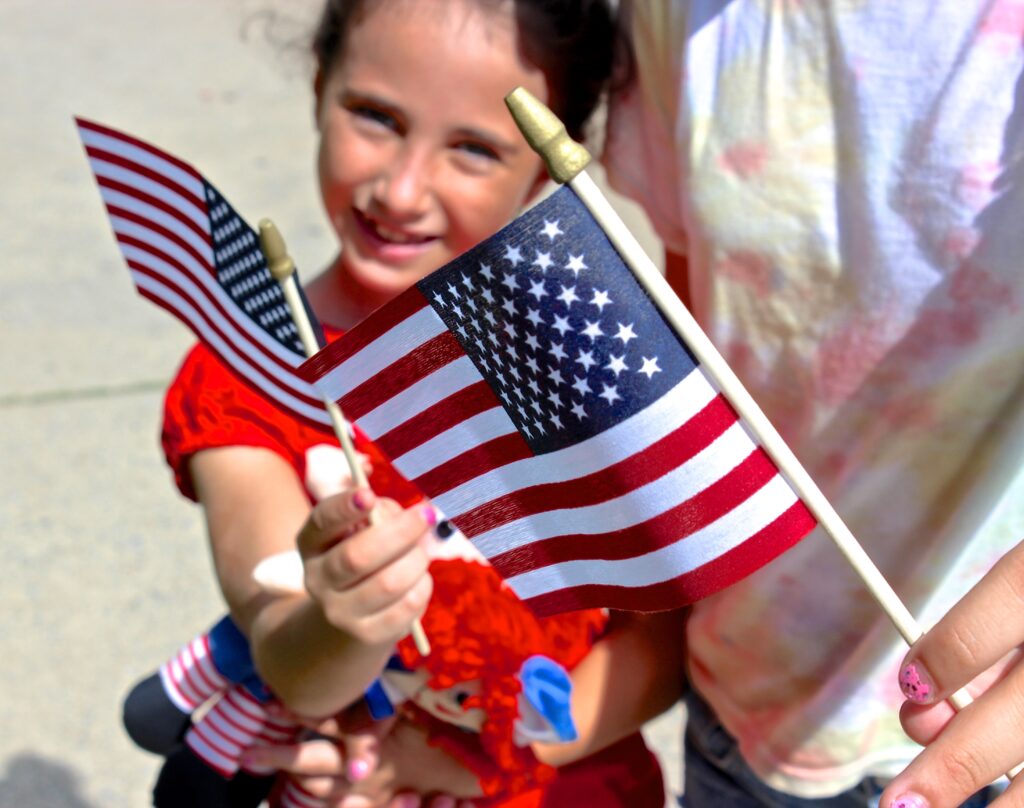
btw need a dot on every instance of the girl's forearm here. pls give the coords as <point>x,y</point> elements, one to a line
<point>313,667</point>
<point>632,675</point>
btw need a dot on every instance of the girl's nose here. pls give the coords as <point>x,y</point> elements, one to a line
<point>403,187</point>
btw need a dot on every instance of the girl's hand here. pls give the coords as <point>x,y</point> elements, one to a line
<point>977,644</point>
<point>383,764</point>
<point>369,580</point>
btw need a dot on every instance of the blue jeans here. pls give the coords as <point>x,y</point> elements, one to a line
<point>717,777</point>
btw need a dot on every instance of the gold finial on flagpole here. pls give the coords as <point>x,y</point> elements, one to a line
<point>272,244</point>
<point>281,266</point>
<point>564,157</point>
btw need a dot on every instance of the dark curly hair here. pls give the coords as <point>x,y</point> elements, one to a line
<point>576,43</point>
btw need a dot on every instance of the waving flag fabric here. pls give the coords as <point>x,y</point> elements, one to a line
<point>190,253</point>
<point>533,390</point>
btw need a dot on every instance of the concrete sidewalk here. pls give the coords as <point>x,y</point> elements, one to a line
<point>105,566</point>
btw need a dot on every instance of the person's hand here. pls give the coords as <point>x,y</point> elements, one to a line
<point>369,580</point>
<point>358,764</point>
<point>977,644</point>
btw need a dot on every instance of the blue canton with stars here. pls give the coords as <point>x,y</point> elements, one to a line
<point>241,270</point>
<point>557,325</point>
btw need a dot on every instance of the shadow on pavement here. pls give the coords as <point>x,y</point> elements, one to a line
<point>34,780</point>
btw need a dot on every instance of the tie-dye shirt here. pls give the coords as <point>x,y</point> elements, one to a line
<point>846,179</point>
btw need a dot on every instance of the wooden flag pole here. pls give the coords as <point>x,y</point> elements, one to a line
<point>283,269</point>
<point>566,159</point>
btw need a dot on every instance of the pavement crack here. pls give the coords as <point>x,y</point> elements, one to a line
<point>14,400</point>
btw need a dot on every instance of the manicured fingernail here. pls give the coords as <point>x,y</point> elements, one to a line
<point>408,801</point>
<point>429,514</point>
<point>909,800</point>
<point>358,769</point>
<point>916,684</point>
<point>361,499</point>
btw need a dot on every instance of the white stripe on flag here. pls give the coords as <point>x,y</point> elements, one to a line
<point>703,546</point>
<point>661,418</point>
<point>159,217</point>
<point>631,507</point>
<point>143,157</point>
<point>462,437</point>
<point>415,398</point>
<point>243,365</point>
<point>411,332</point>
<point>203,275</point>
<point>182,202</point>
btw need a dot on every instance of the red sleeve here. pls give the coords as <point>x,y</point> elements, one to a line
<point>208,407</point>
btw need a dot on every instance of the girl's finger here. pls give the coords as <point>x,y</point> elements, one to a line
<point>367,552</point>
<point>985,625</point>
<point>974,749</point>
<point>333,518</point>
<point>924,722</point>
<point>317,758</point>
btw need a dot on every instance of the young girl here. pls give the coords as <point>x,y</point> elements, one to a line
<point>418,161</point>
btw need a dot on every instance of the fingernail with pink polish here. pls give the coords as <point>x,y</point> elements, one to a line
<point>909,800</point>
<point>358,769</point>
<point>916,683</point>
<point>429,514</point>
<point>361,499</point>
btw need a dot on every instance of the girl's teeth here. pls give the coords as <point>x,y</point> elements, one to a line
<point>395,236</point>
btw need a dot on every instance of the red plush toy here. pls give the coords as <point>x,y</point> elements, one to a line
<point>495,669</point>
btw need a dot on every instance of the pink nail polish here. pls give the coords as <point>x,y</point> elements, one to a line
<point>361,499</point>
<point>429,514</point>
<point>916,684</point>
<point>909,800</point>
<point>358,769</point>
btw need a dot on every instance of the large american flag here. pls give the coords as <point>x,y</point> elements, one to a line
<point>189,252</point>
<point>534,391</point>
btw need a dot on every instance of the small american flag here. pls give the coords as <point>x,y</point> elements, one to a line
<point>190,253</point>
<point>536,394</point>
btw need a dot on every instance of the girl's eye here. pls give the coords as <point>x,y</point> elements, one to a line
<point>479,151</point>
<point>460,697</point>
<point>375,116</point>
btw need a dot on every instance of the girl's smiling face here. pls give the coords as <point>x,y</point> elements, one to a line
<point>419,159</point>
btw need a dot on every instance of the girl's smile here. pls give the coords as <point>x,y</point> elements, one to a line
<point>419,158</point>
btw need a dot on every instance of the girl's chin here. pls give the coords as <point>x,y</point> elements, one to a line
<point>385,282</point>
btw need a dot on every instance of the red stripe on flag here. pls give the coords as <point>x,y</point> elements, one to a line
<point>127,164</point>
<point>382,321</point>
<point>639,469</point>
<point>764,546</point>
<point>408,369</point>
<point>223,314</point>
<point>103,130</point>
<point>666,528</point>
<point>152,226</point>
<point>271,380</point>
<point>148,199</point>
<point>434,420</point>
<point>472,463</point>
